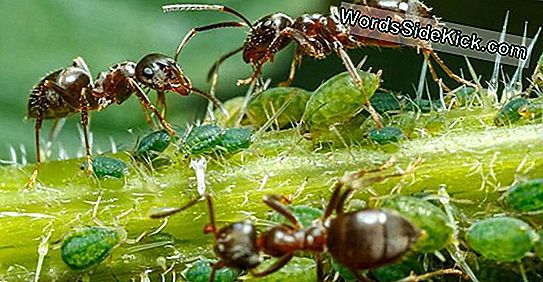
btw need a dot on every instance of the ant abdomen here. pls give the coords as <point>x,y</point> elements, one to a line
<point>369,238</point>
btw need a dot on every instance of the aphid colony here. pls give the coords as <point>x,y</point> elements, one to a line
<point>369,239</point>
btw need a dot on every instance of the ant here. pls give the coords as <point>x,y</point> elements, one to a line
<point>316,36</point>
<point>71,90</point>
<point>363,239</point>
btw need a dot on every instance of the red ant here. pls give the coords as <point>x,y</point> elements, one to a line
<point>363,239</point>
<point>316,36</point>
<point>71,90</point>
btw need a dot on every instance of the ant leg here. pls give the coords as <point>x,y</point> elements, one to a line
<point>161,102</point>
<point>282,261</point>
<point>165,212</point>
<point>320,270</point>
<point>257,72</point>
<point>274,202</point>
<point>356,78</point>
<point>214,268</point>
<point>212,99</point>
<point>195,30</point>
<point>211,227</point>
<point>448,71</point>
<point>147,105</point>
<point>218,62</point>
<point>85,125</point>
<point>359,277</point>
<point>427,276</point>
<point>333,200</point>
<point>296,62</point>
<point>34,176</point>
<point>434,74</point>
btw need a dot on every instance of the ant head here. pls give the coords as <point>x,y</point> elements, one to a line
<point>161,73</point>
<point>236,245</point>
<point>266,39</point>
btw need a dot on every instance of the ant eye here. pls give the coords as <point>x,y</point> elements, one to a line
<point>148,72</point>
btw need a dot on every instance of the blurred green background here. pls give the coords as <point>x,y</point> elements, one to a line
<point>39,36</point>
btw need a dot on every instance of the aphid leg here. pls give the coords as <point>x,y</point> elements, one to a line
<point>295,64</point>
<point>147,105</point>
<point>85,125</point>
<point>195,30</point>
<point>356,77</point>
<point>34,176</point>
<point>278,264</point>
<point>275,202</point>
<point>218,62</point>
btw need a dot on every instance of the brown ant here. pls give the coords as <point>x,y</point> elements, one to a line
<point>71,90</point>
<point>316,36</point>
<point>363,239</point>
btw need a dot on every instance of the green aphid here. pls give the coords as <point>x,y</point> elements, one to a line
<point>200,270</point>
<point>150,146</point>
<point>235,139</point>
<point>385,135</point>
<point>88,247</point>
<point>501,238</point>
<point>267,103</point>
<point>202,139</point>
<point>437,231</point>
<point>299,269</point>
<point>106,167</point>
<point>526,196</point>
<point>513,111</point>
<point>399,270</point>
<point>385,103</point>
<point>465,95</point>
<point>338,100</point>
<point>538,247</point>
<point>305,214</point>
<point>424,106</point>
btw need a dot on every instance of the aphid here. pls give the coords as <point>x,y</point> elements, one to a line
<point>88,247</point>
<point>386,103</point>
<point>526,196</point>
<point>501,238</point>
<point>385,135</point>
<point>463,96</point>
<point>202,139</point>
<point>71,90</point>
<point>358,240</point>
<point>200,270</point>
<point>539,245</point>
<point>337,101</point>
<point>106,167</point>
<point>515,110</point>
<point>427,217</point>
<point>150,146</point>
<point>235,139</point>
<point>269,101</point>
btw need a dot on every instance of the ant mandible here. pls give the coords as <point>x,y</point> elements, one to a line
<point>362,239</point>
<point>71,90</point>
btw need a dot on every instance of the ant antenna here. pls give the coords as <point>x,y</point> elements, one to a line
<point>203,7</point>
